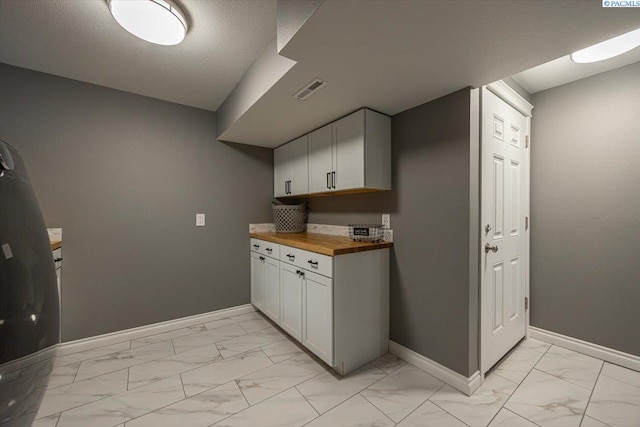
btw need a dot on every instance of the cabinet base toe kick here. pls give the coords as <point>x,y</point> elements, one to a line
<point>341,316</point>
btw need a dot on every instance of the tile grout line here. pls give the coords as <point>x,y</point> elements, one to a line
<point>428,400</point>
<point>518,386</point>
<point>350,396</point>
<point>374,405</point>
<point>584,413</point>
<point>436,404</point>
<point>520,416</point>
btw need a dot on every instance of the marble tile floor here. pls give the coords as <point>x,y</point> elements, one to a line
<point>243,371</point>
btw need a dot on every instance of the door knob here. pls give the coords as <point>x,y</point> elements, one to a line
<point>488,248</point>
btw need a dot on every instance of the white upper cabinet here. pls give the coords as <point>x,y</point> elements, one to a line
<point>349,136</point>
<point>353,153</point>
<point>291,168</point>
<point>321,160</point>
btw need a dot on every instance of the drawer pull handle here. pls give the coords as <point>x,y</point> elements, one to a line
<point>261,258</point>
<point>291,256</point>
<point>256,246</point>
<point>57,260</point>
<point>269,250</point>
<point>313,263</point>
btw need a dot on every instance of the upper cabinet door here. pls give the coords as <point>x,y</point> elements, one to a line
<point>299,166</point>
<point>320,160</point>
<point>348,135</point>
<point>281,171</point>
<point>353,153</point>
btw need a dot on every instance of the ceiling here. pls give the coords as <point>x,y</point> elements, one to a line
<point>563,70</point>
<point>392,56</point>
<point>386,55</point>
<point>80,40</point>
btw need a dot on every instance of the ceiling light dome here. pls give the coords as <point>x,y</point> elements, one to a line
<point>608,48</point>
<point>156,21</point>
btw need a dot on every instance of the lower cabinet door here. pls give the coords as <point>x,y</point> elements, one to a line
<point>291,300</point>
<point>318,316</point>
<point>257,280</point>
<point>272,289</point>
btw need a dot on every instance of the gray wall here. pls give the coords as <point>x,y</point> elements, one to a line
<point>429,207</point>
<point>585,209</point>
<point>124,175</point>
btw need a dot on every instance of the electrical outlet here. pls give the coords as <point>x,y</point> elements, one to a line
<point>199,220</point>
<point>387,235</point>
<point>386,221</point>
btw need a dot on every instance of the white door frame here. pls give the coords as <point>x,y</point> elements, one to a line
<point>511,97</point>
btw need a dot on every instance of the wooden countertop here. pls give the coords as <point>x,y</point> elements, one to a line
<point>325,244</point>
<point>55,245</point>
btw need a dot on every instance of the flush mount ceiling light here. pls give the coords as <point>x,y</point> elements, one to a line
<point>608,48</point>
<point>156,21</point>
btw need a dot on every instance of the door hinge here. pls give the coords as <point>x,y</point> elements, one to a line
<point>526,222</point>
<point>526,141</point>
<point>526,303</point>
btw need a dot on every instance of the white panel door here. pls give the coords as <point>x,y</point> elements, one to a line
<point>504,207</point>
<point>318,316</point>
<point>281,171</point>
<point>348,159</point>
<point>291,288</point>
<point>257,280</point>
<point>272,289</point>
<point>299,166</point>
<point>320,160</point>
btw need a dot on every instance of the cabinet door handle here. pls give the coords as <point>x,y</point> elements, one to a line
<point>328,178</point>
<point>261,258</point>
<point>333,179</point>
<point>313,263</point>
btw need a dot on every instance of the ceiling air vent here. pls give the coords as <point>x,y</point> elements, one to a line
<point>309,89</point>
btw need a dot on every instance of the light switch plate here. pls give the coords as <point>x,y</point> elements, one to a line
<point>386,221</point>
<point>199,220</point>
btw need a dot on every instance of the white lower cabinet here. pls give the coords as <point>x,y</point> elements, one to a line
<point>265,285</point>
<point>271,306</point>
<point>340,311</point>
<point>317,333</point>
<point>257,280</point>
<point>291,288</point>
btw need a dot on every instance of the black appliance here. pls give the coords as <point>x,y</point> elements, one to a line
<point>29,301</point>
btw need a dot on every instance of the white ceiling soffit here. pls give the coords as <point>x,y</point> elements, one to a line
<point>81,40</point>
<point>392,56</point>
<point>563,70</point>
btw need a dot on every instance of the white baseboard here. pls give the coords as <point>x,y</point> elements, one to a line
<point>594,350</point>
<point>155,328</point>
<point>454,379</point>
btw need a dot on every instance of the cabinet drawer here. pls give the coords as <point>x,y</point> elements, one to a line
<point>265,248</point>
<point>311,261</point>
